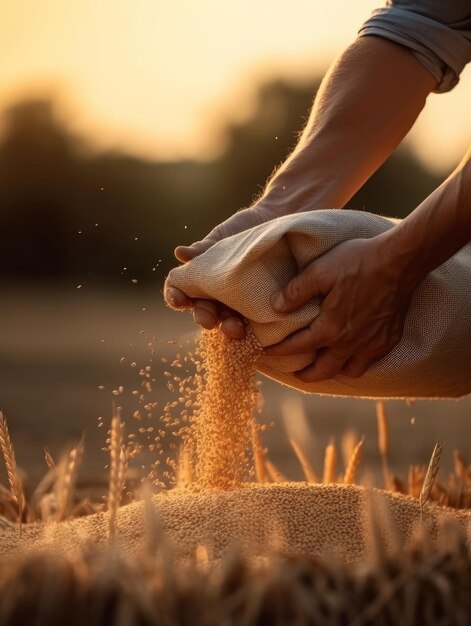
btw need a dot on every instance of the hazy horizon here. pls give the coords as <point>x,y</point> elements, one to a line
<point>158,79</point>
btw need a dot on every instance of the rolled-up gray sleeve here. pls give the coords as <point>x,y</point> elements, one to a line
<point>437,32</point>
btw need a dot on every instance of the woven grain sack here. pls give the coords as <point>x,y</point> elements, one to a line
<point>433,359</point>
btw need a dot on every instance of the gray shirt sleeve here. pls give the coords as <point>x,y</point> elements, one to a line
<point>437,32</point>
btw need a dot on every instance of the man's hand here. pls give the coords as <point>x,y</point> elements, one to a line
<point>337,152</point>
<point>364,305</point>
<point>240,221</point>
<point>208,313</point>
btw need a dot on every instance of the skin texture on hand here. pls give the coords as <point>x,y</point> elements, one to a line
<point>375,90</point>
<point>237,223</point>
<point>366,284</point>
<point>362,311</point>
<point>208,313</point>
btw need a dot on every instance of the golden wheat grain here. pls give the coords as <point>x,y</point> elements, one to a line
<point>65,481</point>
<point>430,476</point>
<point>306,466</point>
<point>227,401</point>
<point>460,467</point>
<point>354,463</point>
<point>49,460</point>
<point>184,476</point>
<point>258,454</point>
<point>330,463</point>
<point>117,462</point>
<point>274,473</point>
<point>396,485</point>
<point>348,441</point>
<point>152,523</point>
<point>14,479</point>
<point>383,439</point>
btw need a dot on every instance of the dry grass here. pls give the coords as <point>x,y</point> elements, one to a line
<point>330,460</point>
<point>220,448</point>
<point>10,464</point>
<point>354,463</point>
<point>422,585</point>
<point>383,440</point>
<point>117,470</point>
<point>430,476</point>
<point>66,477</point>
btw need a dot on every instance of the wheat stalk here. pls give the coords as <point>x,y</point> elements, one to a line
<point>49,460</point>
<point>117,470</point>
<point>258,454</point>
<point>14,479</point>
<point>430,476</point>
<point>330,461</point>
<point>152,522</point>
<point>353,463</point>
<point>307,468</point>
<point>66,479</point>
<point>383,439</point>
<point>185,465</point>
<point>460,466</point>
<point>274,473</point>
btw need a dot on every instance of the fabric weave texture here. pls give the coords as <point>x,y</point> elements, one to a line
<point>433,358</point>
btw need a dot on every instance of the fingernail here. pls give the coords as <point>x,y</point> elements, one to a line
<point>278,302</point>
<point>170,295</point>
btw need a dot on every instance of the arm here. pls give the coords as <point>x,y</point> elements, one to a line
<point>367,102</point>
<point>438,228</point>
<point>367,284</point>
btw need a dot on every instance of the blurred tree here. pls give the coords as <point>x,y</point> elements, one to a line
<point>37,159</point>
<point>69,214</point>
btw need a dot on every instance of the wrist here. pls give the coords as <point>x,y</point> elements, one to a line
<point>288,198</point>
<point>403,256</point>
<point>296,190</point>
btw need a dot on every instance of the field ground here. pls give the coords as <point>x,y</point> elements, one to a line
<point>57,348</point>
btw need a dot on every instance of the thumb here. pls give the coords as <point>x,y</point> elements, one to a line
<point>297,292</point>
<point>187,253</point>
<point>240,221</point>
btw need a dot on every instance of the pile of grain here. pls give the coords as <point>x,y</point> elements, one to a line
<point>226,401</point>
<point>295,518</point>
<point>219,506</point>
<point>415,586</point>
<point>331,553</point>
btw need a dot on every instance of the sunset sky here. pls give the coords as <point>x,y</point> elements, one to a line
<point>157,77</point>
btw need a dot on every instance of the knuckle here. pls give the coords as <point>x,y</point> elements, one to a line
<point>326,372</point>
<point>292,291</point>
<point>329,331</point>
<point>356,370</point>
<point>355,373</point>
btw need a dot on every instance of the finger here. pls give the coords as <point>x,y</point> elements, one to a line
<point>306,340</point>
<point>177,299</point>
<point>356,367</point>
<point>187,253</point>
<point>297,292</point>
<point>205,314</point>
<point>233,327</point>
<point>327,365</point>
<point>225,312</point>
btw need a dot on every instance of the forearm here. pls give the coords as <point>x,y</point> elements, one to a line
<point>367,103</point>
<point>436,230</point>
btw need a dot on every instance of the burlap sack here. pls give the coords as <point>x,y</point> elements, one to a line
<point>433,358</point>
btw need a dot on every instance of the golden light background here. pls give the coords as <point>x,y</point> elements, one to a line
<point>158,77</point>
<point>84,231</point>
